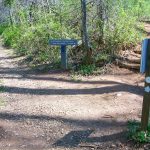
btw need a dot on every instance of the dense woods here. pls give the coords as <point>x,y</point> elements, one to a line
<point>102,27</point>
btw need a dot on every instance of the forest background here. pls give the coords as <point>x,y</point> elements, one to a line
<point>103,28</point>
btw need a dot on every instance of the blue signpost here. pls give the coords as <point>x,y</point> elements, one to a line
<point>145,68</point>
<point>63,44</point>
<point>144,56</point>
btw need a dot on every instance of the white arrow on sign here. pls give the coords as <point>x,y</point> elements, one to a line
<point>148,80</point>
<point>147,89</point>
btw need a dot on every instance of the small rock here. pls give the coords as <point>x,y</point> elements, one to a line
<point>147,147</point>
<point>113,146</point>
<point>119,94</point>
<point>62,131</point>
<point>120,145</point>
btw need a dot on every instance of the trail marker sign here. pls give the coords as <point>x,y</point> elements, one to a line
<point>145,68</point>
<point>144,56</point>
<point>63,43</point>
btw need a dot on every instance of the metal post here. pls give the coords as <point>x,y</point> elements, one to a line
<point>64,57</point>
<point>146,99</point>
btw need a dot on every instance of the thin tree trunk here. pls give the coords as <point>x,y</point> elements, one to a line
<point>10,17</point>
<point>100,13</point>
<point>85,38</point>
<point>84,24</point>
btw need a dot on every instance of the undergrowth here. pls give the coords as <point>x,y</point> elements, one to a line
<point>135,133</point>
<point>2,28</point>
<point>31,27</point>
<point>86,69</point>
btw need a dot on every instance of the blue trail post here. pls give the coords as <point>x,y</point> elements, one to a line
<point>144,56</point>
<point>63,43</point>
<point>64,61</point>
<point>145,68</point>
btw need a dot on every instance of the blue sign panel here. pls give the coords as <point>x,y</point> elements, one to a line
<point>144,56</point>
<point>63,42</point>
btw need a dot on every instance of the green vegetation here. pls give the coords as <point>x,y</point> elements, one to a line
<point>2,89</point>
<point>111,26</point>
<point>87,69</point>
<point>2,28</point>
<point>2,102</point>
<point>135,134</point>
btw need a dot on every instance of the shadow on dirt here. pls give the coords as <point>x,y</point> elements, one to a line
<point>75,138</point>
<point>82,123</point>
<point>95,91</point>
<point>29,74</point>
<point>82,134</point>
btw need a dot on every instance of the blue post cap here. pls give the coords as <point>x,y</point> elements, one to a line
<point>144,56</point>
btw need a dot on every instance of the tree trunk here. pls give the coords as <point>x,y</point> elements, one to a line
<point>85,39</point>
<point>10,17</point>
<point>100,13</point>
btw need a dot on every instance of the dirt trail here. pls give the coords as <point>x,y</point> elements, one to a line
<point>52,111</point>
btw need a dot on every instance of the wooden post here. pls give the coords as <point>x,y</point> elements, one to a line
<point>146,99</point>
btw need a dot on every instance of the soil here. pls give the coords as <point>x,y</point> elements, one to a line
<point>57,111</point>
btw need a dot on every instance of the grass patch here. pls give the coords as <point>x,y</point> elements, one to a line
<point>87,70</point>
<point>136,135</point>
<point>2,28</point>
<point>2,89</point>
<point>75,78</point>
<point>2,102</point>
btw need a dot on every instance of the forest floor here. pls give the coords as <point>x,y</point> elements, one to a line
<point>55,111</point>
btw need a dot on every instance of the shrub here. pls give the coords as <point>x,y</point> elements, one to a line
<point>2,28</point>
<point>123,32</point>
<point>135,134</point>
<point>11,35</point>
<point>87,69</point>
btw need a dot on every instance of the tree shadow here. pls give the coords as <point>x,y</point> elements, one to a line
<point>104,123</point>
<point>75,138</point>
<point>30,74</point>
<point>81,131</point>
<point>24,72</point>
<point>86,91</point>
